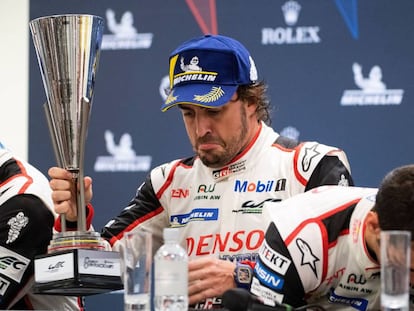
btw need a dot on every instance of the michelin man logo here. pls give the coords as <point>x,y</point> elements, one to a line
<point>192,66</point>
<point>373,90</point>
<point>373,83</point>
<point>122,156</point>
<point>124,150</point>
<point>16,223</point>
<point>125,28</point>
<point>124,34</point>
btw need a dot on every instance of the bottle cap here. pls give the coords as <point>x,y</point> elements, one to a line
<point>171,234</point>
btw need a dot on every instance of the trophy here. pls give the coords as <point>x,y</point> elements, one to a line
<point>68,49</point>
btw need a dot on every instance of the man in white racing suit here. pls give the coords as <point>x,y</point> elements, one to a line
<point>323,246</point>
<point>216,197</point>
<point>26,223</point>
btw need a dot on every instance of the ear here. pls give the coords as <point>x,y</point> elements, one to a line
<point>372,233</point>
<point>372,224</point>
<point>251,108</point>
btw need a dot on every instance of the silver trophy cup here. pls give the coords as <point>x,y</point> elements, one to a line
<point>68,49</point>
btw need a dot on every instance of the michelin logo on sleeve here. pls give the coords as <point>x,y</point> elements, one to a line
<point>122,156</point>
<point>197,214</point>
<point>16,223</point>
<point>373,90</point>
<point>124,34</point>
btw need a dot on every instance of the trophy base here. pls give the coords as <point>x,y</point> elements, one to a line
<point>77,272</point>
<point>63,241</point>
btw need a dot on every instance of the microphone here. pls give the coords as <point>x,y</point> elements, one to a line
<point>239,299</point>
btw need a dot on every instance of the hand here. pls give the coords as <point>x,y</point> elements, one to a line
<point>209,277</point>
<point>63,192</point>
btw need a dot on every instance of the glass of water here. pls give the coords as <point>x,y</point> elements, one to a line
<point>395,270</point>
<point>137,256</point>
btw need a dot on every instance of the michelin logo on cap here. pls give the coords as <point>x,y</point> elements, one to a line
<point>193,72</point>
<point>206,71</point>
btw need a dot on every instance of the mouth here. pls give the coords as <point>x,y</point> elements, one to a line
<point>206,146</point>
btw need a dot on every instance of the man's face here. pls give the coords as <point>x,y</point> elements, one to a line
<point>218,134</point>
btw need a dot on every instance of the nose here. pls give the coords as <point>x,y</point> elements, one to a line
<point>202,123</point>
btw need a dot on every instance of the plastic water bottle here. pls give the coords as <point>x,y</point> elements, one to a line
<point>171,274</point>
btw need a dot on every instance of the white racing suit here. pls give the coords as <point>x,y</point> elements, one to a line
<point>26,223</point>
<point>219,211</point>
<point>315,251</point>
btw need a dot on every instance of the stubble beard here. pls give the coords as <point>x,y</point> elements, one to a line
<point>217,159</point>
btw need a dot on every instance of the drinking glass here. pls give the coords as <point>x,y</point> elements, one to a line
<point>137,256</point>
<point>395,270</point>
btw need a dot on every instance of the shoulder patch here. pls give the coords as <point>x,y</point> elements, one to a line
<point>12,265</point>
<point>16,224</point>
<point>307,157</point>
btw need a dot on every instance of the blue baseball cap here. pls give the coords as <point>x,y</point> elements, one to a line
<point>207,70</point>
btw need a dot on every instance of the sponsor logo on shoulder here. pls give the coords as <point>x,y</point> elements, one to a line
<point>343,181</point>
<point>16,223</point>
<point>310,153</point>
<point>4,284</point>
<point>12,264</point>
<point>308,258</point>
<point>267,277</point>
<point>274,260</point>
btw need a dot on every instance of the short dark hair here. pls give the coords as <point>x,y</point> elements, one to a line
<point>395,200</point>
<point>256,93</point>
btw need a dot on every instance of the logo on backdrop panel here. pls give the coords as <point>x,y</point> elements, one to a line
<point>122,156</point>
<point>290,132</point>
<point>124,34</point>
<point>373,90</point>
<point>164,87</point>
<point>291,34</point>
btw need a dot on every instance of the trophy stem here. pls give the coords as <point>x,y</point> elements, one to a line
<point>79,186</point>
<point>78,174</point>
<point>59,160</point>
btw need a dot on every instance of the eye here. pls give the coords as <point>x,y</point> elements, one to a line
<point>187,113</point>
<point>213,112</point>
